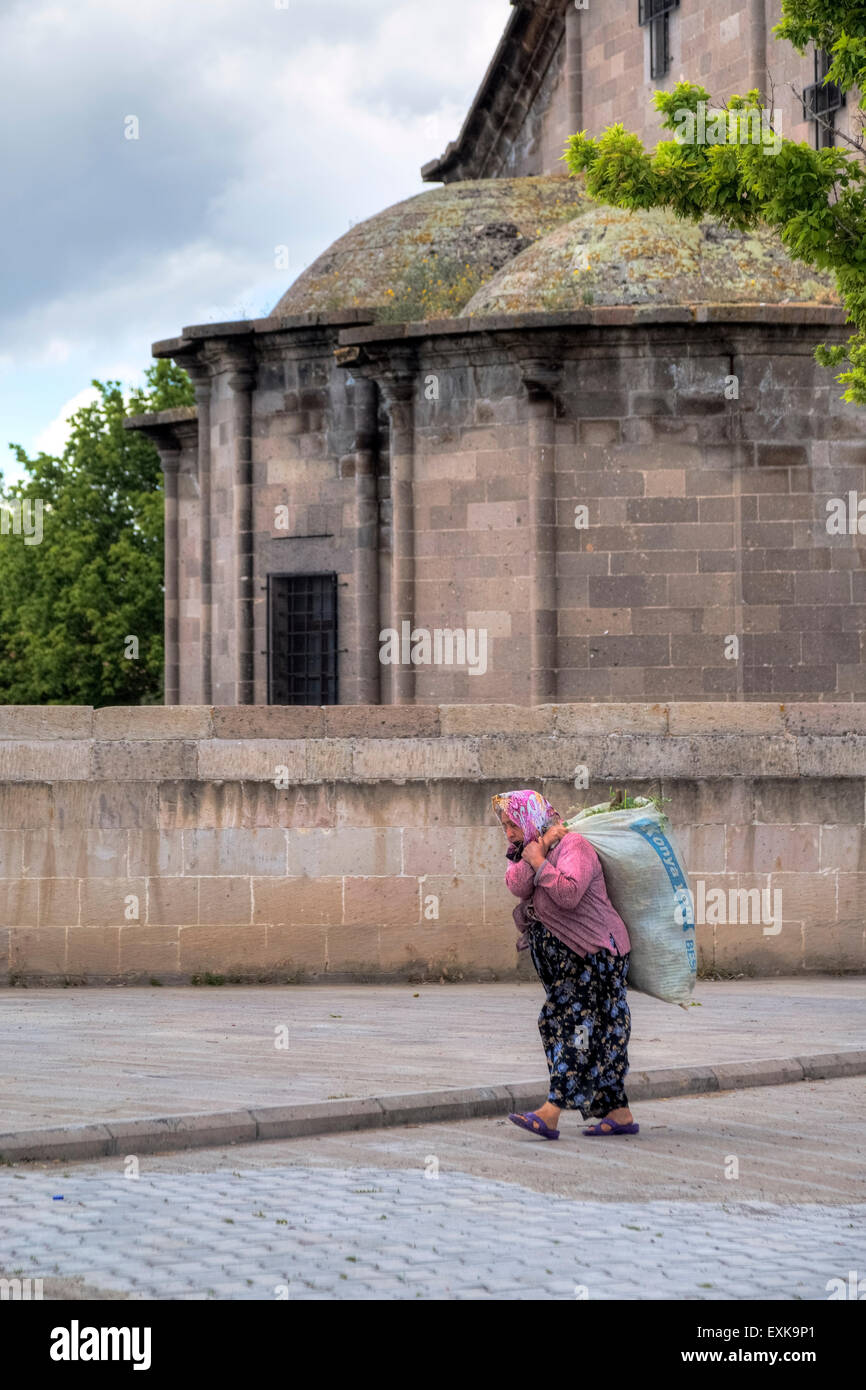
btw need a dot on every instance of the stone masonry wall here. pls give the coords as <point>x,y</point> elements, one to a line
<point>710,44</point>
<point>706,517</point>
<point>153,844</point>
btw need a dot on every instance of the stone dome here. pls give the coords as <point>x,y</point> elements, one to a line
<point>425,257</point>
<point>610,256</point>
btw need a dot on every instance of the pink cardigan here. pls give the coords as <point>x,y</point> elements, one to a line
<point>569,895</point>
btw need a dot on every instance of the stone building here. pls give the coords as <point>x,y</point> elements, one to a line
<point>502,444</point>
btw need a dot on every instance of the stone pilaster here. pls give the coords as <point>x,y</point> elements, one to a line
<point>398,388</point>
<point>242,382</point>
<point>541,380</point>
<point>370,670</point>
<point>574,67</point>
<point>170,460</point>
<point>757,21</point>
<point>200,375</point>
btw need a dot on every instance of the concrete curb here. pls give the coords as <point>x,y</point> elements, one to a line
<point>155,1134</point>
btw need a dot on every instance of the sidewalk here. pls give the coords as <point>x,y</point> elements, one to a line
<point>85,1056</point>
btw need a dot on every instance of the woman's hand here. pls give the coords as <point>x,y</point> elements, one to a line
<point>533,854</point>
<point>552,836</point>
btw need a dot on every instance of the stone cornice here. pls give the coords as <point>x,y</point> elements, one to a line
<point>171,430</point>
<point>507,90</point>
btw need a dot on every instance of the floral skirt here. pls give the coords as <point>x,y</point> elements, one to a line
<point>585,1024</point>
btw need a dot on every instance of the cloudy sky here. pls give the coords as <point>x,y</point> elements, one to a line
<point>260,123</point>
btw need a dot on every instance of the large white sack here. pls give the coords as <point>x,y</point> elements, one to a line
<point>647,884</point>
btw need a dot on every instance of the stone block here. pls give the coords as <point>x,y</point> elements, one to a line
<point>223,948</point>
<point>516,759</point>
<point>173,901</point>
<point>733,755</point>
<point>67,1142</point>
<point>807,897</point>
<point>160,1134</point>
<point>226,900</point>
<point>297,902</point>
<point>321,1117</point>
<point>328,759</point>
<point>354,949</point>
<point>156,853</point>
<point>93,952</point>
<point>251,760</point>
<point>729,718</point>
<point>234,851</point>
<point>843,847</point>
<point>384,759</point>
<point>834,719</point>
<point>45,760</point>
<point>430,850</point>
<point>460,720</point>
<point>704,851</point>
<point>433,1107</point>
<point>144,760</point>
<point>11,854</point>
<point>24,806</point>
<point>152,722</point>
<point>831,756</point>
<point>381,721</point>
<point>289,722</point>
<point>460,900</point>
<point>75,853</point>
<point>733,1076</point>
<point>851,896</point>
<point>59,902</point>
<point>827,1066</point>
<point>297,948</point>
<point>149,950</point>
<point>37,951</point>
<point>375,902</point>
<point>666,1082</point>
<point>326,853</point>
<point>604,719</point>
<point>834,946</point>
<point>107,902</point>
<point>770,849</point>
<point>107,805</point>
<point>51,722</point>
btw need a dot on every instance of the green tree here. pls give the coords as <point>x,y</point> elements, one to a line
<point>814,199</point>
<point>69,603</point>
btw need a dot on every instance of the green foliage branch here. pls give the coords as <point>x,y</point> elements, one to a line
<point>814,199</point>
<point>69,603</point>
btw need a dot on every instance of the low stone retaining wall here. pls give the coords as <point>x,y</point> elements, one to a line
<point>357,842</point>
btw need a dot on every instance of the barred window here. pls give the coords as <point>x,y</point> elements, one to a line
<point>302,639</point>
<point>821,102</point>
<point>657,14</point>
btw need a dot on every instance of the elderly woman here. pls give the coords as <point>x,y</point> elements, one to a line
<point>580,949</point>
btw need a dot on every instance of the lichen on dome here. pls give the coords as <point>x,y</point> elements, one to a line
<point>613,257</point>
<point>425,257</point>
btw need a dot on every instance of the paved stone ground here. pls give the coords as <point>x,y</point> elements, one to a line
<point>355,1216</point>
<point>80,1055</point>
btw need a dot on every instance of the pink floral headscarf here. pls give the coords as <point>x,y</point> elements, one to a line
<point>528,809</point>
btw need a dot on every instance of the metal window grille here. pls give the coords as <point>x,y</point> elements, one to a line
<point>302,639</point>
<point>657,13</point>
<point>821,102</point>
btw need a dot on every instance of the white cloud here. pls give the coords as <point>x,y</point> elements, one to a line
<point>52,440</point>
<point>260,127</point>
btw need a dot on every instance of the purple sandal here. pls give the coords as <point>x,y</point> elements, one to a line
<point>535,1125</point>
<point>613,1128</point>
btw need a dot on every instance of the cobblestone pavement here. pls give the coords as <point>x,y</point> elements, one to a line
<point>379,1233</point>
<point>355,1216</point>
